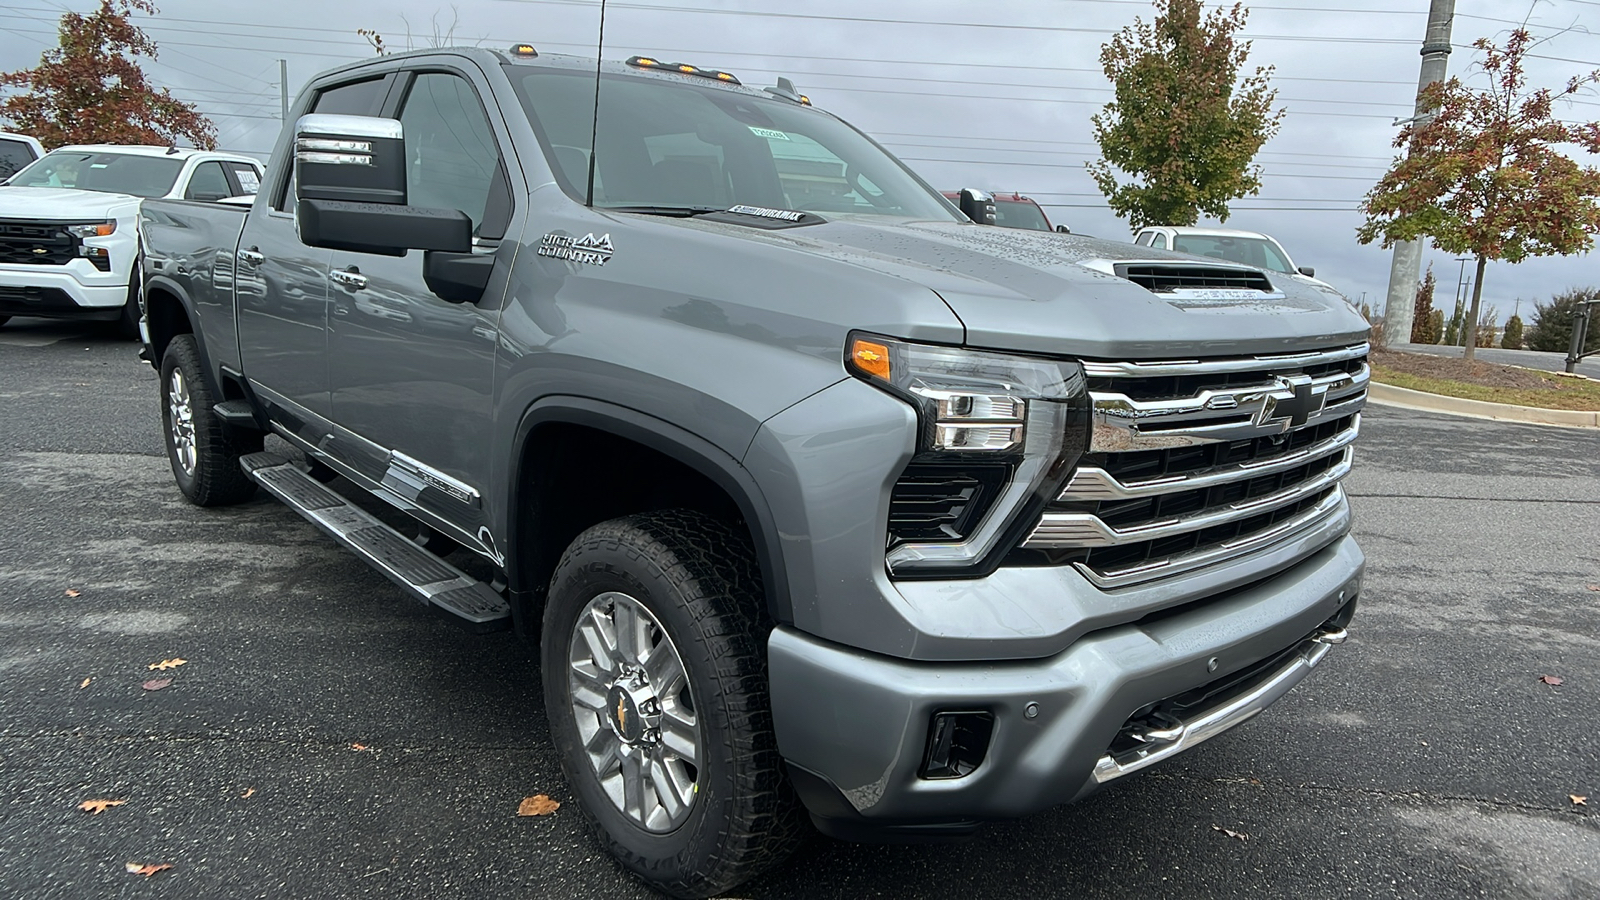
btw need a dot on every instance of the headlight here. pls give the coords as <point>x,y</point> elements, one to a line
<point>998,435</point>
<point>93,229</point>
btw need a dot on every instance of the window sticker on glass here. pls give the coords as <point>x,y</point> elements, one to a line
<point>249,181</point>
<point>768,133</point>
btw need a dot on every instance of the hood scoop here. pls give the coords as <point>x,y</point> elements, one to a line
<point>1180,278</point>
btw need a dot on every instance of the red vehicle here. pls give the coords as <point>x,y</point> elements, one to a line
<point>1013,210</point>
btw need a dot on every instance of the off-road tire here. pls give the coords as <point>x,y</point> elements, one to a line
<point>699,578</point>
<point>217,479</point>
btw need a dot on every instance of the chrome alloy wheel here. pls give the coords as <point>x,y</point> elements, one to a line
<point>630,695</point>
<point>181,412</point>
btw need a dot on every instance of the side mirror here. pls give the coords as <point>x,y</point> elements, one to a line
<point>360,159</point>
<point>1308,272</point>
<point>1063,229</point>
<point>350,184</point>
<point>978,206</point>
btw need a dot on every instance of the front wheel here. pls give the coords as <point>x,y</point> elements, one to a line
<point>655,684</point>
<point>204,452</point>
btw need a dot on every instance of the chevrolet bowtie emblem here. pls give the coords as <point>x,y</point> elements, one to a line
<point>40,251</point>
<point>622,714</point>
<point>1295,401</point>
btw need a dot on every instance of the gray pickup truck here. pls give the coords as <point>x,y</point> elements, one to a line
<point>820,499</point>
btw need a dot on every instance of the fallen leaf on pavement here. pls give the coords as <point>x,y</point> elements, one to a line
<point>156,684</point>
<point>85,683</point>
<point>96,807</point>
<point>1551,680</point>
<point>537,805</point>
<point>1593,587</point>
<point>359,747</point>
<point>1578,799</point>
<point>248,793</point>
<point>74,592</point>
<point>145,869</point>
<point>166,664</point>
<point>1233,834</point>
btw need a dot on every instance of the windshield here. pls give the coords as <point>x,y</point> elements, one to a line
<point>1258,252</point>
<point>113,173</point>
<point>1019,214</point>
<point>670,144</point>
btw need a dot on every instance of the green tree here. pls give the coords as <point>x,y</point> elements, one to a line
<point>1183,125</point>
<point>90,89</point>
<point>1513,336</point>
<point>1484,173</point>
<point>1436,324</point>
<point>1420,308</point>
<point>1551,329</point>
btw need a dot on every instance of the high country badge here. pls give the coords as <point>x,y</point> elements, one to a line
<point>587,249</point>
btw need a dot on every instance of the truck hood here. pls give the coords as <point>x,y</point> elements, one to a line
<point>1059,293</point>
<point>64,204</point>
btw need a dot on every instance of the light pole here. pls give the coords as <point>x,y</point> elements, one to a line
<point>1406,264</point>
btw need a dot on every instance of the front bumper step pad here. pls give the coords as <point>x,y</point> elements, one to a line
<point>463,599</point>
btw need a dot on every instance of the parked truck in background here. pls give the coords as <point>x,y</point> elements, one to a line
<point>69,224</point>
<point>16,152</point>
<point>820,500</point>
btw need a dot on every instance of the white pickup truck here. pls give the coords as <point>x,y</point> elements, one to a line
<point>69,238</point>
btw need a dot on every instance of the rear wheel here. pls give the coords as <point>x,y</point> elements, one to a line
<point>203,451</point>
<point>655,684</point>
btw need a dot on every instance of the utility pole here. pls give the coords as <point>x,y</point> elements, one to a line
<point>1406,265</point>
<point>283,87</point>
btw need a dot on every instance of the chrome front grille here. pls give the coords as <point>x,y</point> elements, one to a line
<point>1194,462</point>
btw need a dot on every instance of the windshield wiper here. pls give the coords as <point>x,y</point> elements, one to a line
<point>677,212</point>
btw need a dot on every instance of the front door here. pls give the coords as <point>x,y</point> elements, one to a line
<point>411,374</point>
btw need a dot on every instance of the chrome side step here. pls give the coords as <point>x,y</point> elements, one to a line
<point>470,603</point>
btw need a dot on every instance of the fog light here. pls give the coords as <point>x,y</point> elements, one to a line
<point>957,744</point>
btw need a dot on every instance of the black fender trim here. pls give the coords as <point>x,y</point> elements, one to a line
<point>686,447</point>
<point>166,285</point>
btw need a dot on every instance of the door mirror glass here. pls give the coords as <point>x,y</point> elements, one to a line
<point>1063,229</point>
<point>359,159</point>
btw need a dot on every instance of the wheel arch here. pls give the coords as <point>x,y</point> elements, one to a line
<point>531,545</point>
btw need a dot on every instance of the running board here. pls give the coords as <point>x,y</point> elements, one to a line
<point>470,603</point>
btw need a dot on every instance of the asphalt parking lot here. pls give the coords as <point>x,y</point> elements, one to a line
<point>1424,759</point>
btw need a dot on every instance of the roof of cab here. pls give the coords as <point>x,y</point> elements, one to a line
<point>489,58</point>
<point>154,150</point>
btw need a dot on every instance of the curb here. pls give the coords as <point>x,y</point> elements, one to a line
<point>1389,395</point>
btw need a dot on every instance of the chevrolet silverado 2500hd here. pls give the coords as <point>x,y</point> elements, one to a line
<point>68,223</point>
<point>818,498</point>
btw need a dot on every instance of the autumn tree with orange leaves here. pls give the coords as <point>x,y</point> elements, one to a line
<point>1484,173</point>
<point>91,90</point>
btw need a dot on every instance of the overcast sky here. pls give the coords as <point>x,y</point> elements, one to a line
<point>995,95</point>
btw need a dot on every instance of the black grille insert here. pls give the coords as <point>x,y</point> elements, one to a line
<point>1164,279</point>
<point>36,243</point>
<point>941,502</point>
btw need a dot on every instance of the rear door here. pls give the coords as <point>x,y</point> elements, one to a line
<point>411,374</point>
<point>283,285</point>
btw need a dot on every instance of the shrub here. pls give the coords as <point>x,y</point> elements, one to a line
<point>1422,311</point>
<point>1512,340</point>
<point>1551,328</point>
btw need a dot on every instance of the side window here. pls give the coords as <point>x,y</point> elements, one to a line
<point>359,98</point>
<point>1159,241</point>
<point>245,176</point>
<point>452,160</point>
<point>13,156</point>
<point>208,182</point>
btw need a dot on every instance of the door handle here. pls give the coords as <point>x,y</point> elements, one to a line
<point>349,278</point>
<point>252,257</point>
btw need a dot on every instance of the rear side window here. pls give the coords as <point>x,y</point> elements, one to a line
<point>13,156</point>
<point>358,98</point>
<point>1158,241</point>
<point>246,176</point>
<point>208,182</point>
<point>361,98</point>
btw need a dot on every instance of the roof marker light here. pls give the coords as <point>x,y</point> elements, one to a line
<point>525,51</point>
